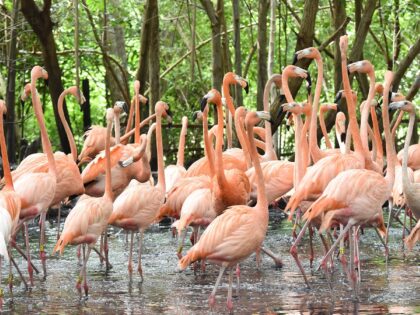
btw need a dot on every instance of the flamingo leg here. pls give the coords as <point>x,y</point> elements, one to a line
<point>352,259</point>
<point>294,253</point>
<point>28,255</point>
<point>19,272</point>
<point>311,257</point>
<point>229,302</point>
<point>297,220</point>
<point>58,221</point>
<point>403,229</point>
<point>356,254</point>
<point>212,298</point>
<point>80,277</point>
<point>336,243</point>
<point>42,254</point>
<point>79,255</point>
<point>343,258</point>
<point>106,248</point>
<point>238,278</point>
<point>390,207</point>
<point>10,277</point>
<point>22,253</point>
<point>85,285</point>
<point>277,261</point>
<point>181,243</point>
<point>139,269</point>
<point>130,255</point>
<point>101,249</point>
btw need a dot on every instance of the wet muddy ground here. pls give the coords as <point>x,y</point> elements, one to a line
<point>385,288</point>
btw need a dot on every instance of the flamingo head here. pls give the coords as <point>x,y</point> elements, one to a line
<point>163,109</point>
<point>309,53</point>
<point>38,72</point>
<point>328,106</point>
<point>406,106</point>
<point>213,96</point>
<point>73,90</point>
<point>344,44</point>
<point>253,118</point>
<point>25,92</point>
<point>363,66</point>
<point>198,115</point>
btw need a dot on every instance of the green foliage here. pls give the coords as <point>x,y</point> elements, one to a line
<point>177,87</point>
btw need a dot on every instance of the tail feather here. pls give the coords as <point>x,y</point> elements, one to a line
<point>188,259</point>
<point>413,238</point>
<point>323,204</point>
<point>62,243</point>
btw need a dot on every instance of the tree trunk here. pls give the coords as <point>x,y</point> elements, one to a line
<point>115,45</point>
<point>262,51</point>
<point>237,46</point>
<point>305,39</point>
<point>42,25</point>
<point>11,86</point>
<point>217,68</point>
<point>154,65</point>
<point>142,73</point>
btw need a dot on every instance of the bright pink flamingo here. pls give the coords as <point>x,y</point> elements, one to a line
<point>236,233</point>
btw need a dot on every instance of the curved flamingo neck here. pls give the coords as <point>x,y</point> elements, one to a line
<point>137,119</point>
<point>230,109</point>
<point>159,148</point>
<point>126,136</point>
<point>181,145</point>
<point>221,179</point>
<point>286,89</point>
<point>149,142</point>
<point>66,126</point>
<point>313,143</point>
<point>46,144</point>
<point>209,151</point>
<point>6,165</point>
<point>365,112</point>
<point>108,185</point>
<point>377,137</point>
<point>117,128</point>
<point>324,130</point>
<point>306,159</point>
<point>390,150</point>
<point>269,147</point>
<point>262,202</point>
<point>353,125</point>
<point>406,182</point>
<point>240,131</point>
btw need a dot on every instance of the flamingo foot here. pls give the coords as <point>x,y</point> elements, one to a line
<point>212,301</point>
<point>229,304</point>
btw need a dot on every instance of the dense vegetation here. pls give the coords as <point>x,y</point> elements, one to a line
<point>129,39</point>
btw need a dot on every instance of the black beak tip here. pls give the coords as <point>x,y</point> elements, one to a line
<point>46,82</point>
<point>194,116</point>
<point>287,127</point>
<point>295,59</point>
<point>246,88</point>
<point>170,125</point>
<point>203,104</point>
<point>147,102</point>
<point>348,70</point>
<point>343,137</point>
<point>125,108</point>
<point>338,97</point>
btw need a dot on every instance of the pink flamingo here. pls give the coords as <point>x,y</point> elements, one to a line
<point>236,233</point>
<point>89,218</point>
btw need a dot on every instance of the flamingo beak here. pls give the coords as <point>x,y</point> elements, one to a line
<point>343,137</point>
<point>195,115</point>
<point>203,103</point>
<point>295,59</point>
<point>246,88</point>
<point>338,97</point>
<point>308,83</point>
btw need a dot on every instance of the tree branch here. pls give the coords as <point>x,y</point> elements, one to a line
<point>405,63</point>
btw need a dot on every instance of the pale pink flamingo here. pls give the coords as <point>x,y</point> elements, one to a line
<point>37,190</point>
<point>10,203</point>
<point>355,197</point>
<point>89,218</point>
<point>238,232</point>
<point>174,172</point>
<point>136,208</point>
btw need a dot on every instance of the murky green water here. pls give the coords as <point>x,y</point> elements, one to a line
<point>384,289</point>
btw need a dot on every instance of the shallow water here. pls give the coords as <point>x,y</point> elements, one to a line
<point>392,288</point>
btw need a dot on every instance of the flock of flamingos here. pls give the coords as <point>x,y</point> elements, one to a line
<point>226,192</point>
